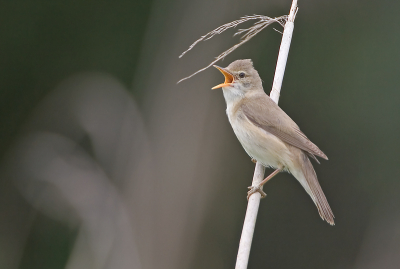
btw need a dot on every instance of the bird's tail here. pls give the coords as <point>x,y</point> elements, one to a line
<point>310,183</point>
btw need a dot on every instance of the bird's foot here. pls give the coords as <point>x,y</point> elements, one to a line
<point>254,189</point>
<point>253,160</point>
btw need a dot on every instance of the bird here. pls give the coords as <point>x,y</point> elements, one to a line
<point>268,134</point>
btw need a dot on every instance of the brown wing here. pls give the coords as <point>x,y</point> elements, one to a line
<point>264,113</point>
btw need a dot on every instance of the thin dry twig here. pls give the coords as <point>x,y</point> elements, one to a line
<point>248,33</point>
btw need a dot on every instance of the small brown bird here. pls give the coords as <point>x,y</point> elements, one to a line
<point>268,134</point>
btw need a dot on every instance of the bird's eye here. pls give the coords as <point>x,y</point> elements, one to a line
<point>242,75</point>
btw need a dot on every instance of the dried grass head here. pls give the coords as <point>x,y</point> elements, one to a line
<point>248,33</point>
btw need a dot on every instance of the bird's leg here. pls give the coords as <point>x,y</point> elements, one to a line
<point>258,188</point>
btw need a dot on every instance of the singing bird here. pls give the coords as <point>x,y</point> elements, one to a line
<point>268,134</point>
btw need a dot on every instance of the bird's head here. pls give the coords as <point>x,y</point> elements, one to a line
<point>240,75</point>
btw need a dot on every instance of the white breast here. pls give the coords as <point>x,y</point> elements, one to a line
<point>258,143</point>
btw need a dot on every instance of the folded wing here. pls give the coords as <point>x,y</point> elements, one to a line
<point>266,114</point>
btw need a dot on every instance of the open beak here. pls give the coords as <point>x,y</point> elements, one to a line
<point>228,78</point>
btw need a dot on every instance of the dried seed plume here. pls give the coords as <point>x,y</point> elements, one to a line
<point>248,33</point>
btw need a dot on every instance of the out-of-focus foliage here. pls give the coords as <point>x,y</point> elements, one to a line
<point>107,163</point>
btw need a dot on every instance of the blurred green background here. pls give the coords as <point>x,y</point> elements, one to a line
<point>340,86</point>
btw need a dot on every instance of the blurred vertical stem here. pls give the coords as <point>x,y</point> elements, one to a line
<point>254,200</point>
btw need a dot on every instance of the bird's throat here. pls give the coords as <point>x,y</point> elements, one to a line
<point>232,96</point>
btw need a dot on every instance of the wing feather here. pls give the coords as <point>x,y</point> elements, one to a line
<point>266,114</point>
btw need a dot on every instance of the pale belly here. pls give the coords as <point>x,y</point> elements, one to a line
<point>261,145</point>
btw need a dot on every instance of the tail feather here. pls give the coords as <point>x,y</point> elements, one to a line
<point>316,192</point>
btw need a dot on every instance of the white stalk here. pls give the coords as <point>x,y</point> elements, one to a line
<point>254,200</point>
<point>283,53</point>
